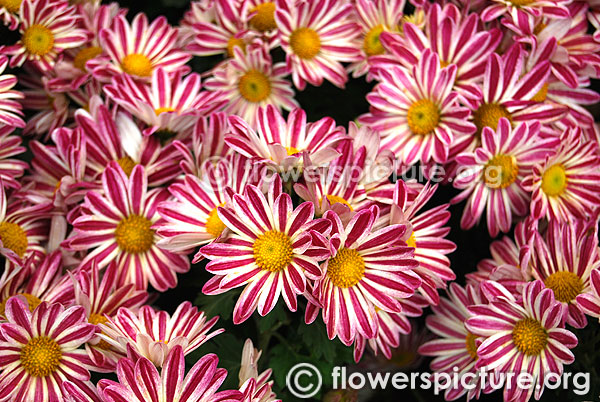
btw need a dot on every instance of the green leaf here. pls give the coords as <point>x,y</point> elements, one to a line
<point>221,305</point>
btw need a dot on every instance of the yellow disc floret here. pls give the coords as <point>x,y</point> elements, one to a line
<point>254,86</point>
<point>165,109</point>
<point>273,251</point>
<point>372,45</point>
<point>232,43</point>
<point>127,164</point>
<point>488,115</point>
<point>554,180</point>
<point>13,238</point>
<point>423,117</point>
<point>501,171</point>
<point>305,43</point>
<point>529,337</point>
<point>346,269</point>
<point>32,302</point>
<point>520,3</point>
<point>41,356</point>
<point>264,19</point>
<point>565,285</point>
<point>214,225</point>
<point>137,64</point>
<point>38,40</point>
<point>12,6</point>
<point>134,234</point>
<point>336,199</point>
<point>471,345</point>
<point>540,96</point>
<point>84,55</point>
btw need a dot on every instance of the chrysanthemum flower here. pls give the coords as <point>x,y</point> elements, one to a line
<point>255,387</point>
<point>170,105</point>
<point>455,346</point>
<point>270,250</point>
<point>117,225</point>
<point>261,16</point>
<point>249,81</point>
<point>589,302</point>
<point>317,36</point>
<point>9,12</point>
<point>10,108</point>
<point>138,49</point>
<point>48,27</point>
<point>366,271</point>
<point>281,143</point>
<point>375,17</point>
<point>199,11</point>
<point>524,335</point>
<point>10,168</point>
<point>152,334</point>
<point>492,175</point>
<point>40,350</point>
<point>416,112</point>
<point>102,298</point>
<point>519,10</point>
<point>140,381</point>
<point>564,262</point>
<point>567,183</point>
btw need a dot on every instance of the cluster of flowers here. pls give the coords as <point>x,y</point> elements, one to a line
<point>137,162</point>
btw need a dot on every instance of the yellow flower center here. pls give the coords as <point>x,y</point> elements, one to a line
<point>264,20</point>
<point>540,96</point>
<point>520,3</point>
<point>134,235</point>
<point>554,180</point>
<point>214,225</point>
<point>32,301</point>
<point>273,251</point>
<point>529,337</point>
<point>127,164</point>
<point>254,86</point>
<point>41,356</point>
<point>501,171</point>
<point>488,115</point>
<point>471,345</point>
<point>423,117</point>
<point>412,241</point>
<point>539,28</point>
<point>137,64</point>
<point>84,55</point>
<point>565,285</point>
<point>99,319</point>
<point>233,42</point>
<point>13,238</point>
<point>292,150</point>
<point>346,269</point>
<point>163,110</point>
<point>305,43</point>
<point>38,40</point>
<point>336,199</point>
<point>12,6</point>
<point>372,45</point>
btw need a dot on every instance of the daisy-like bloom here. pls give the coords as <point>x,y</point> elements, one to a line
<point>375,17</point>
<point>48,28</point>
<point>249,81</point>
<point>117,225</point>
<point>140,381</point>
<point>492,175</point>
<point>10,108</point>
<point>261,16</point>
<point>169,106</point>
<point>10,168</point>
<point>271,251</point>
<point>281,143</point>
<point>199,11</point>
<point>416,112</point>
<point>317,36</point>
<point>523,335</point>
<point>23,228</point>
<point>102,298</point>
<point>519,10</point>
<point>564,262</point>
<point>138,49</point>
<point>9,12</point>
<point>152,334</point>
<point>455,346</point>
<point>40,350</point>
<point>567,183</point>
<point>367,271</point>
<point>255,387</point>
<point>589,302</point>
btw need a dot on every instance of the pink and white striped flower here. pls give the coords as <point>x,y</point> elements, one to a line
<point>250,81</point>
<point>150,334</point>
<point>567,183</point>
<point>117,225</point>
<point>139,380</point>
<point>367,271</point>
<point>416,111</point>
<point>137,49</point>
<point>525,10</point>
<point>272,250</point>
<point>589,302</point>
<point>317,37</point>
<point>11,168</point>
<point>48,27</point>
<point>40,350</point>
<point>255,387</point>
<point>491,176</point>
<point>522,335</point>
<point>10,108</point>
